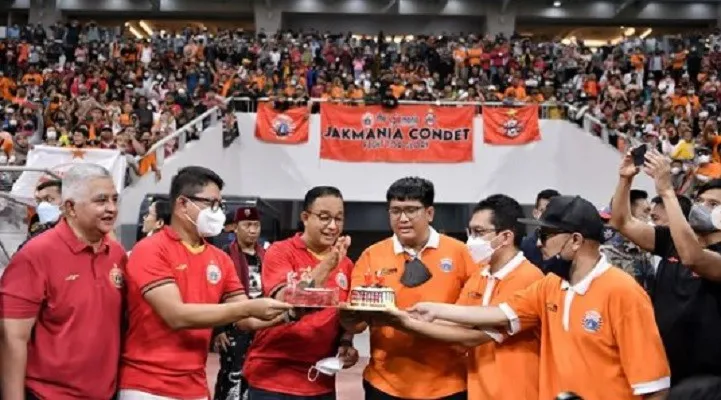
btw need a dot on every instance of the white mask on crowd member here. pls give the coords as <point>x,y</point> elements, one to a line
<point>704,159</point>
<point>327,366</point>
<point>480,249</point>
<point>676,170</point>
<point>210,223</point>
<point>47,212</point>
<point>51,134</point>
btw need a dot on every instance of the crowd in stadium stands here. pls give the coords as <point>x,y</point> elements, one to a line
<point>83,86</point>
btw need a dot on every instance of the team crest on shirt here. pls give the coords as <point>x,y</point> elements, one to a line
<point>116,276</point>
<point>342,281</point>
<point>212,273</point>
<point>592,321</point>
<point>446,265</point>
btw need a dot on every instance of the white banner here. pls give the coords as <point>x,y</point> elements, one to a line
<point>60,159</point>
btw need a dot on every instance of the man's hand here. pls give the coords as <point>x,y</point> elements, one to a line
<point>221,342</point>
<point>337,253</point>
<point>424,311</point>
<point>627,169</point>
<point>658,167</point>
<point>266,308</point>
<point>349,356</point>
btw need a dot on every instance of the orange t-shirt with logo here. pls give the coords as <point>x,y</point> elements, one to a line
<point>494,368</point>
<point>598,338</point>
<point>405,365</point>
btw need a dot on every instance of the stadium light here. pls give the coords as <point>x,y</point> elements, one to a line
<point>557,3</point>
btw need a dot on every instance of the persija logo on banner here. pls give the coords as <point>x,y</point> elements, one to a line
<point>511,125</point>
<point>287,127</point>
<point>406,134</point>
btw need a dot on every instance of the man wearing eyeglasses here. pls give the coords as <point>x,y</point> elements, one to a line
<point>420,265</point>
<point>598,333</point>
<point>176,283</point>
<point>280,362</point>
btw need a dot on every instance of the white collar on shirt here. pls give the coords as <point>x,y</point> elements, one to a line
<point>434,240</point>
<point>582,287</point>
<point>505,270</point>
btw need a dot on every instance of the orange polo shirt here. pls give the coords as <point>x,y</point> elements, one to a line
<point>494,369</point>
<point>405,365</point>
<point>598,338</point>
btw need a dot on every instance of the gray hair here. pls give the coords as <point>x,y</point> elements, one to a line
<point>75,180</point>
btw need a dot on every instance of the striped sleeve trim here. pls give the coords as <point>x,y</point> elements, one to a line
<point>226,296</point>
<point>156,284</point>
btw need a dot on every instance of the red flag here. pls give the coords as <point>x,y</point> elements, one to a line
<point>287,127</point>
<point>511,125</point>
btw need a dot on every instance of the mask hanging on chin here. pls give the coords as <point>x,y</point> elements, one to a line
<point>209,223</point>
<point>47,213</point>
<point>701,219</point>
<point>480,249</point>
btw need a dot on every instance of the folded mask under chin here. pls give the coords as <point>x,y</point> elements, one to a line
<point>415,273</point>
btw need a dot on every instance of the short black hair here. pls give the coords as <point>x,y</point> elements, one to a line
<point>51,183</point>
<point>317,192</point>
<point>546,194</point>
<point>506,213</point>
<point>190,181</point>
<point>637,194</point>
<point>710,185</point>
<point>683,201</point>
<point>412,188</point>
<point>163,211</point>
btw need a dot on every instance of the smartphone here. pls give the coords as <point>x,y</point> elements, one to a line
<point>639,154</point>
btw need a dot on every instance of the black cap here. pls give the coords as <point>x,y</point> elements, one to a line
<point>571,214</point>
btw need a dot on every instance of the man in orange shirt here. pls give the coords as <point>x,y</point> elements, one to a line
<point>598,333</point>
<point>494,236</point>
<point>175,284</point>
<point>420,265</point>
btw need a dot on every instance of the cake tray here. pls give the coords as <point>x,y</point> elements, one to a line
<point>348,307</point>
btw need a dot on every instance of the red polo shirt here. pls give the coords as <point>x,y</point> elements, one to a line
<point>157,359</point>
<point>75,295</point>
<point>279,358</point>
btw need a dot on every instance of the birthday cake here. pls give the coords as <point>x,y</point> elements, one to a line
<point>372,294</point>
<point>299,294</point>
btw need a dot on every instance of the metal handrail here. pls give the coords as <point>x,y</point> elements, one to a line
<point>180,133</point>
<point>13,168</point>
<point>429,102</point>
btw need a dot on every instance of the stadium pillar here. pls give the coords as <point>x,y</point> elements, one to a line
<point>44,12</point>
<point>498,21</point>
<point>267,17</point>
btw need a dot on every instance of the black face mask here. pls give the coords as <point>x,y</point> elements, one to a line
<point>560,266</point>
<point>415,273</point>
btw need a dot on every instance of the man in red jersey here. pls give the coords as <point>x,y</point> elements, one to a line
<point>61,300</point>
<point>175,284</point>
<point>280,362</point>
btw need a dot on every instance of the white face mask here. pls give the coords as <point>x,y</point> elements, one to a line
<point>480,249</point>
<point>327,366</point>
<point>52,135</point>
<point>704,159</point>
<point>210,223</point>
<point>47,212</point>
<point>675,170</point>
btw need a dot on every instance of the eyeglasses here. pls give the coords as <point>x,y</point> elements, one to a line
<point>411,212</point>
<point>544,234</point>
<point>326,219</point>
<point>478,232</point>
<point>213,204</point>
